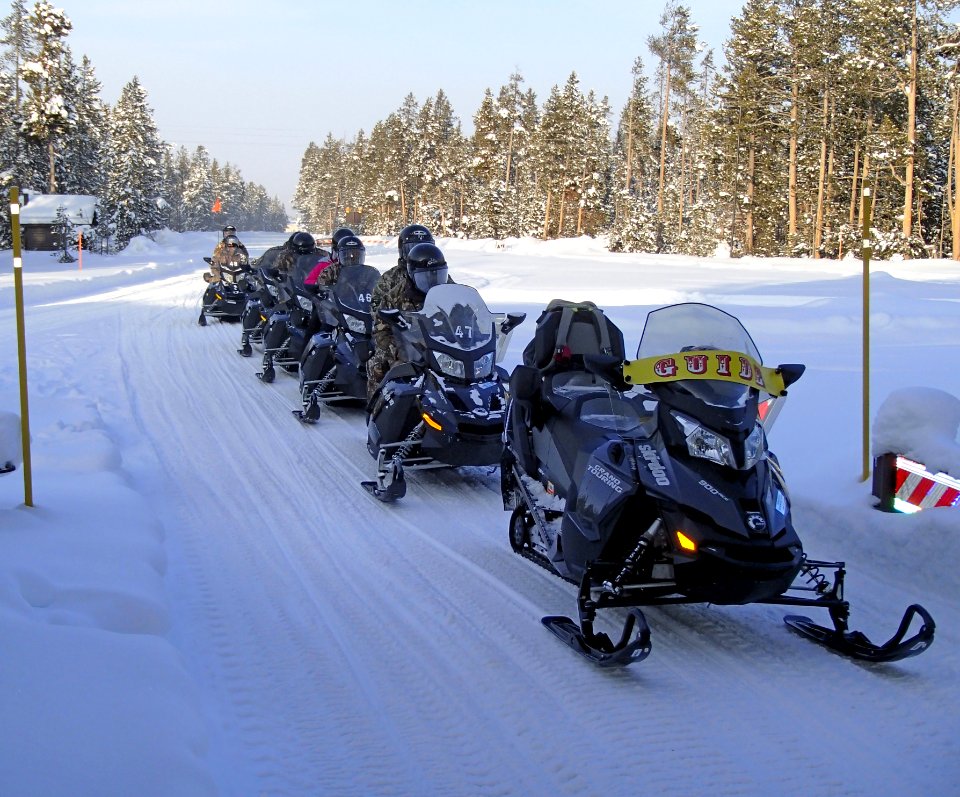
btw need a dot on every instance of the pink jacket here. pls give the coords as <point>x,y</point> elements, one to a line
<point>311,278</point>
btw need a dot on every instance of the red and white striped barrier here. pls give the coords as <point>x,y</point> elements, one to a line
<point>903,485</point>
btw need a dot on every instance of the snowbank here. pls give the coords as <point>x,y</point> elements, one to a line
<point>922,424</point>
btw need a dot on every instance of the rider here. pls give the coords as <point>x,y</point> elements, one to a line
<point>221,245</point>
<point>348,251</point>
<point>338,235</point>
<point>227,253</point>
<point>301,243</point>
<point>425,266</point>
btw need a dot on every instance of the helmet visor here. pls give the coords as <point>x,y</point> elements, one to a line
<point>426,278</point>
<point>352,256</point>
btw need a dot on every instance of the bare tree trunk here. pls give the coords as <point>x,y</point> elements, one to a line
<point>663,141</point>
<point>792,168</point>
<point>953,188</point>
<point>911,129</point>
<point>821,184</point>
<point>403,204</point>
<point>748,242</point>
<point>546,217</point>
<point>52,155</point>
<point>629,177</point>
<point>683,169</point>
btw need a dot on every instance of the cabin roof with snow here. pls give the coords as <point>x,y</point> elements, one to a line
<point>42,208</point>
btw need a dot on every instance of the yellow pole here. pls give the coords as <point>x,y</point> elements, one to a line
<point>21,346</point>
<point>866,250</point>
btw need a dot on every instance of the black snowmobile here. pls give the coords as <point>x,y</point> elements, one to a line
<point>225,298</point>
<point>334,364</point>
<point>650,482</point>
<point>285,331</point>
<point>444,406</point>
<point>262,294</point>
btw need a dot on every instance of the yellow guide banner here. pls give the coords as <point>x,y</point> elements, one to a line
<point>726,366</point>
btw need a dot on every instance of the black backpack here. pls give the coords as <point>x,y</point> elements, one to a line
<point>566,331</point>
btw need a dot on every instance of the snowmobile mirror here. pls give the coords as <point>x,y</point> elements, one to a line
<point>791,373</point>
<point>513,320</point>
<point>208,260</point>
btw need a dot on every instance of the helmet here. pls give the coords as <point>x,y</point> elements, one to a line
<point>338,235</point>
<point>231,240</point>
<point>302,242</point>
<point>426,266</point>
<point>351,251</point>
<point>229,230</point>
<point>410,236</point>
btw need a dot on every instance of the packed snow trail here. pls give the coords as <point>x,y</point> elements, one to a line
<point>345,646</point>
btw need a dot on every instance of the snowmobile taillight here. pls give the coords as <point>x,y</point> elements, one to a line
<point>563,355</point>
<point>685,543</point>
<point>432,423</point>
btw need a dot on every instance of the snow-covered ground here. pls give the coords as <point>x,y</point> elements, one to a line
<point>204,600</point>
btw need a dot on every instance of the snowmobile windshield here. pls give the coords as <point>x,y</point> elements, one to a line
<point>699,327</point>
<point>456,315</point>
<point>354,287</point>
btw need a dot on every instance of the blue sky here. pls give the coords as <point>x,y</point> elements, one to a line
<point>255,82</point>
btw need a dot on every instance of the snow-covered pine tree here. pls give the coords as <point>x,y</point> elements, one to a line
<point>198,194</point>
<point>80,167</point>
<point>134,190</point>
<point>48,107</point>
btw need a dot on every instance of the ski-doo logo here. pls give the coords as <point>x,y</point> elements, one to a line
<point>606,477</point>
<point>655,466</point>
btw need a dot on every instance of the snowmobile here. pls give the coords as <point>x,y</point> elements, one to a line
<point>262,293</point>
<point>225,298</point>
<point>333,367</point>
<point>444,406</point>
<point>285,331</point>
<point>649,482</point>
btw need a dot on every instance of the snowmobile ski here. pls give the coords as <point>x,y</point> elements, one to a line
<point>388,494</point>
<point>857,646</point>
<point>246,350</point>
<point>598,648</point>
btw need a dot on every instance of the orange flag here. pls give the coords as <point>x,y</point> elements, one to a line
<point>216,206</point>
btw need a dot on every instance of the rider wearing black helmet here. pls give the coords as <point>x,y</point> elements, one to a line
<point>349,251</point>
<point>301,243</point>
<point>221,255</point>
<point>229,252</point>
<point>410,236</point>
<point>424,266</point>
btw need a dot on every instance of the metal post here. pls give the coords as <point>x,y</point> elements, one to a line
<point>866,250</point>
<point>21,346</point>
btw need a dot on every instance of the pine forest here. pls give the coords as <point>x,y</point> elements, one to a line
<point>767,149</point>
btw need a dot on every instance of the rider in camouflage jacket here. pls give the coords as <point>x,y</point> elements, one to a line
<point>394,290</point>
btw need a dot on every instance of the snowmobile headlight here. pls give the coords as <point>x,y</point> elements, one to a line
<point>704,443</point>
<point>273,290</point>
<point>451,366</point>
<point>484,366</point>
<point>354,324</point>
<point>753,447</point>
<point>305,303</point>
